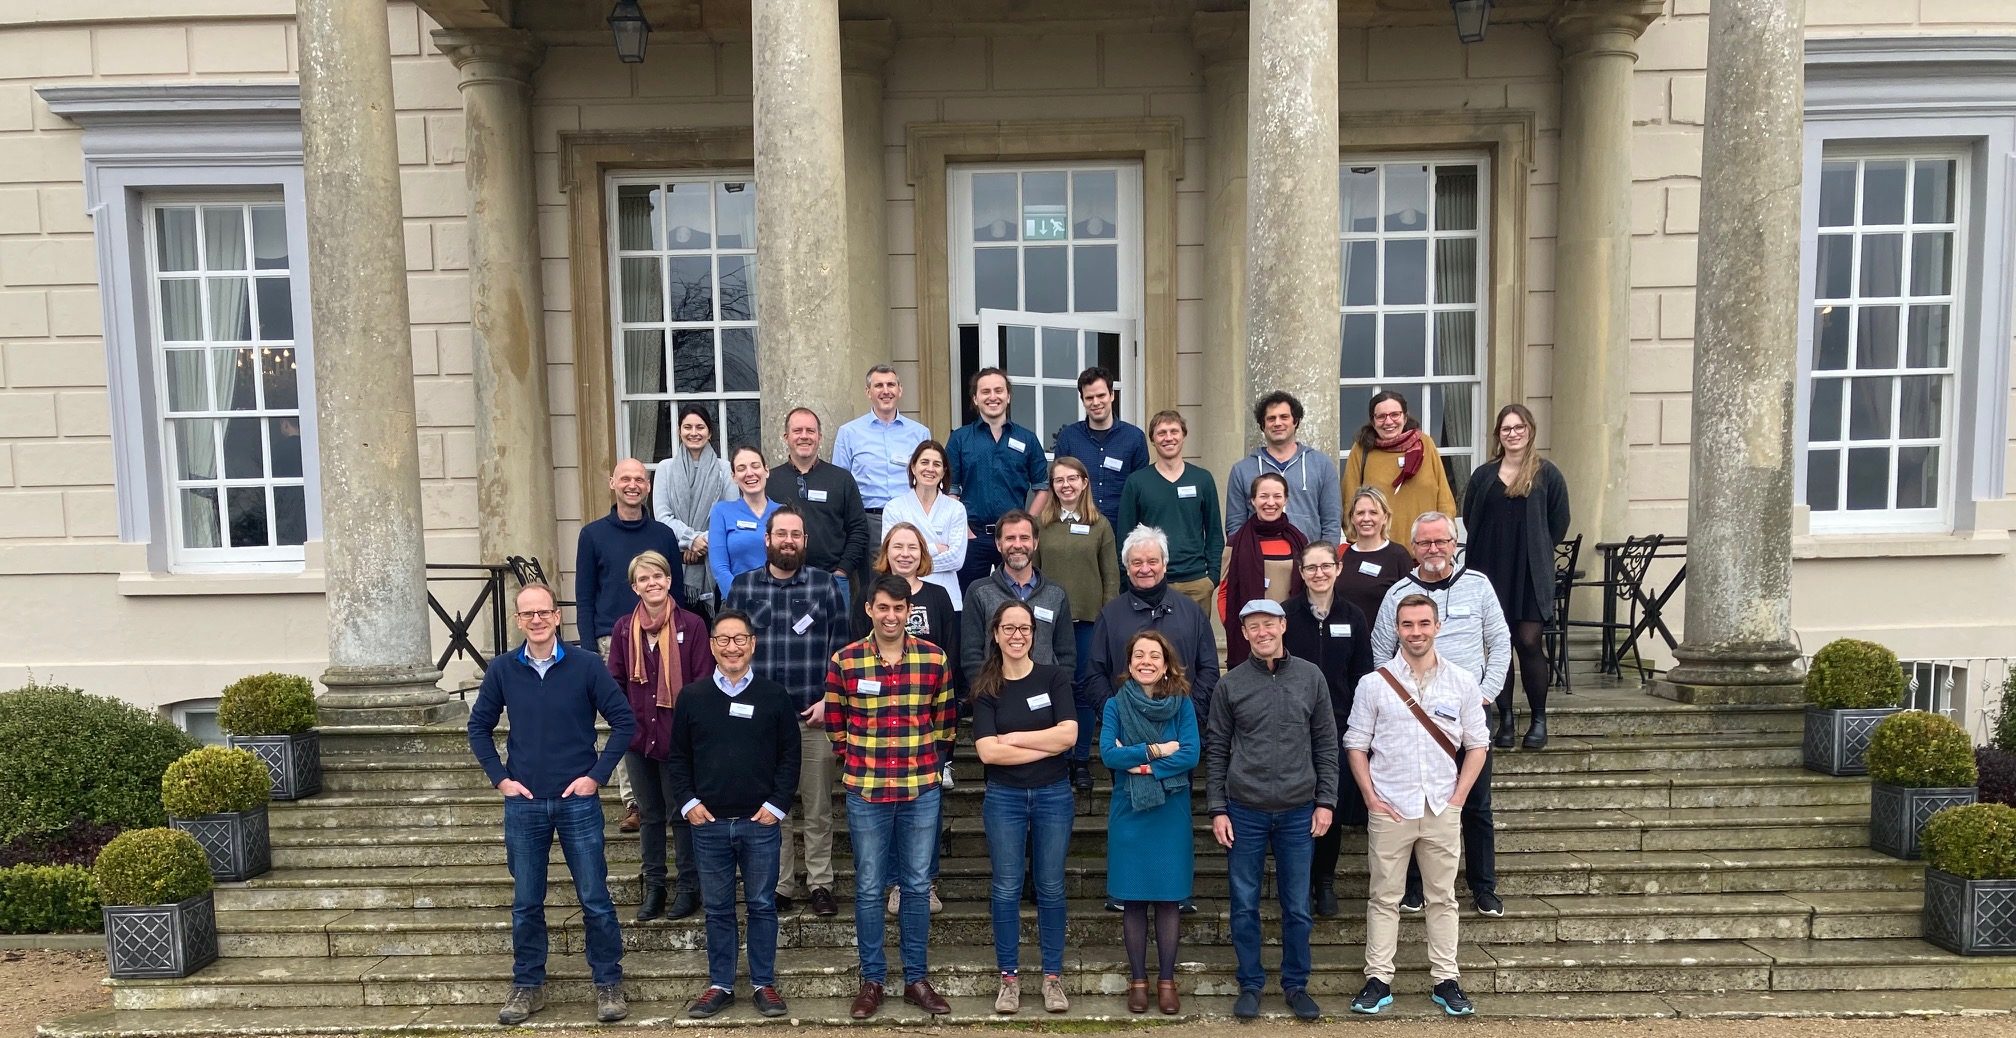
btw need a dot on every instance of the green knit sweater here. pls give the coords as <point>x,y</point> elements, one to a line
<point>1087,564</point>
<point>1186,512</point>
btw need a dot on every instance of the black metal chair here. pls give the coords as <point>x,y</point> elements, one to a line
<point>1554,633</point>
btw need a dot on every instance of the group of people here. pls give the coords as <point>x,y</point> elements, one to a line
<point>840,617</point>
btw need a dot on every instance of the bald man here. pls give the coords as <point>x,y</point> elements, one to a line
<point>602,592</point>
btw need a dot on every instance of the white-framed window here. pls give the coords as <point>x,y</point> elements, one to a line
<point>1415,263</point>
<point>198,717</point>
<point>683,292</point>
<point>1886,299</point>
<point>220,298</point>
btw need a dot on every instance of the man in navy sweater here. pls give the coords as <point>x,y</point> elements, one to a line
<point>1109,448</point>
<point>550,780</point>
<point>733,768</point>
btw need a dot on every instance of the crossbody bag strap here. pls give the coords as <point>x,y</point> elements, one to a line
<point>1441,737</point>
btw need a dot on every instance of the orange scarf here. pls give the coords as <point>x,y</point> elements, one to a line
<point>642,625</point>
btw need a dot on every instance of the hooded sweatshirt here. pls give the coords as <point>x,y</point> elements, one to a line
<point>1315,502</point>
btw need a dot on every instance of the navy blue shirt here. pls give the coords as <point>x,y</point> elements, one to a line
<point>1111,456</point>
<point>602,559</point>
<point>991,477</point>
<point>552,738</point>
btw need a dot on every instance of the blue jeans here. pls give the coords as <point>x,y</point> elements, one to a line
<point>1088,711</point>
<point>981,557</point>
<point>1287,834</point>
<point>1039,820</point>
<point>893,840</point>
<point>720,849</point>
<point>529,828</point>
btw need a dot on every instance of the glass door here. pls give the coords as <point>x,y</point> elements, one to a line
<point>1043,354</point>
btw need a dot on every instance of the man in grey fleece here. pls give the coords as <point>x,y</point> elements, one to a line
<point>1315,502</point>
<point>1271,769</point>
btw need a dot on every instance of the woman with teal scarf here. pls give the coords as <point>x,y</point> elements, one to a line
<point>1151,746</point>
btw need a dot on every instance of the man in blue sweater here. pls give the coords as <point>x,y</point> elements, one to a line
<point>1110,449</point>
<point>550,779</point>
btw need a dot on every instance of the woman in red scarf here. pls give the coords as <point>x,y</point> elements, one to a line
<point>1263,563</point>
<point>653,653</point>
<point>1393,454</point>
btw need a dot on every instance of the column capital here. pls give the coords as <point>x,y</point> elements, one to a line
<point>865,44</point>
<point>1220,36</point>
<point>1597,26</point>
<point>491,54</point>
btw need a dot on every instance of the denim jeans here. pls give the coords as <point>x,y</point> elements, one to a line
<point>1039,820</point>
<point>1088,711</point>
<point>722,848</point>
<point>529,828</point>
<point>893,840</point>
<point>981,558</point>
<point>652,785</point>
<point>1287,834</point>
<point>1480,842</point>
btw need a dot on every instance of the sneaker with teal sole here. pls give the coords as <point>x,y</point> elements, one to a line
<point>1373,997</point>
<point>1449,995</point>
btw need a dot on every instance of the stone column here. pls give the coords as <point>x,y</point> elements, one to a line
<point>864,47</point>
<point>1222,42</point>
<point>802,286</point>
<point>381,666</point>
<point>1592,258</point>
<point>1738,638</point>
<point>514,441</point>
<point>1291,224</point>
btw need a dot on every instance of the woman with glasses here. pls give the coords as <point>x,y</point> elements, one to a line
<point>1024,726</point>
<point>653,653</point>
<point>1262,560</point>
<point>684,490</point>
<point>1075,548</point>
<point>1392,452</point>
<point>1515,510</point>
<point>1328,630</point>
<point>1372,562</point>
<point>735,526</point>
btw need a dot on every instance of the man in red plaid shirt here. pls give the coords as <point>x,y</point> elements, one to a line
<point>888,706</point>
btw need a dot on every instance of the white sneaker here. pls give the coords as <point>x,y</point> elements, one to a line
<point>895,900</point>
<point>937,906</point>
<point>945,778</point>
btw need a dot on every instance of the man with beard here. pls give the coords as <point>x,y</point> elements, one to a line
<point>1017,581</point>
<point>799,618</point>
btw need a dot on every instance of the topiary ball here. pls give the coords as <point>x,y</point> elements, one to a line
<point>267,704</point>
<point>1850,674</point>
<point>66,756</point>
<point>213,780</point>
<point>1977,841</point>
<point>1920,750</point>
<point>151,867</point>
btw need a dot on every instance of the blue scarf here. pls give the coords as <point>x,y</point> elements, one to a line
<point>1143,720</point>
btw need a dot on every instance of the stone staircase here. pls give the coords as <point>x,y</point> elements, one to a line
<point>1657,859</point>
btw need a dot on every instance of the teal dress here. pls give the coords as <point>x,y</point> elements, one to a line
<point>1149,854</point>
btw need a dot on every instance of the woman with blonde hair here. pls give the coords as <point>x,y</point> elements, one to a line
<point>1393,453</point>
<point>1075,548</point>
<point>1371,561</point>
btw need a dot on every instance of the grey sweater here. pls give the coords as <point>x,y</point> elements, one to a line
<point>1273,739</point>
<point>1055,644</point>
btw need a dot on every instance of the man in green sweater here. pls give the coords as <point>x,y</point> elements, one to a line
<point>1181,500</point>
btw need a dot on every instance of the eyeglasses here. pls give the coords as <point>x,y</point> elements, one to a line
<point>1022,629</point>
<point>1443,543</point>
<point>537,614</point>
<point>740,641</point>
<point>1318,567</point>
<point>1508,430</point>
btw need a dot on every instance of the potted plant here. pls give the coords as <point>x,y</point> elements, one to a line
<point>273,715</point>
<point>1921,762</point>
<point>1850,686</point>
<point>1970,882</point>
<point>160,920</point>
<point>218,796</point>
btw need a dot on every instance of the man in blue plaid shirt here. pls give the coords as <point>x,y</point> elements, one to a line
<point>799,617</point>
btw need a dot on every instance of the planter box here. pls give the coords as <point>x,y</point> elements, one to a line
<point>1897,814</point>
<point>236,842</point>
<point>294,761</point>
<point>1837,741</point>
<point>1970,916</point>
<point>161,940</point>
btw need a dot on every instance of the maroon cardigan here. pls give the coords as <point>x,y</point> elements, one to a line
<point>654,722</point>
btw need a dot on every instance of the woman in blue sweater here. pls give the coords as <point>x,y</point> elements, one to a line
<point>735,528</point>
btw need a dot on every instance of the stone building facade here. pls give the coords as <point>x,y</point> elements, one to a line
<point>289,304</point>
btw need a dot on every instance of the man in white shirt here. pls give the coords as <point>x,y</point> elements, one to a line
<point>1412,721</point>
<point>876,447</point>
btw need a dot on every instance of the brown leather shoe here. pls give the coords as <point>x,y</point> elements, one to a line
<point>823,903</point>
<point>1165,997</point>
<point>632,821</point>
<point>1137,996</point>
<point>924,997</point>
<point>867,1001</point>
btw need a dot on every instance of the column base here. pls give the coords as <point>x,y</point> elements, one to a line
<point>1755,672</point>
<point>384,695</point>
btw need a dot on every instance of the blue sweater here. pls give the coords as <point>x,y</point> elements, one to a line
<point>1127,447</point>
<point>735,543</point>
<point>602,558</point>
<point>552,738</point>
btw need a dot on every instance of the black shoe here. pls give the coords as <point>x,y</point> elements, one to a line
<point>822,904</point>
<point>653,904</point>
<point>1081,776</point>
<point>684,903</point>
<point>1536,733</point>
<point>1304,1007</point>
<point>786,904</point>
<point>1373,997</point>
<point>1503,739</point>
<point>1412,901</point>
<point>770,1003</point>
<point>1248,1006</point>
<point>711,1001</point>
<point>1188,907</point>
<point>1488,904</point>
<point>1326,901</point>
<point>1114,906</point>
<point>1449,995</point>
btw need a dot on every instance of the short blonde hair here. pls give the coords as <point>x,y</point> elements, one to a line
<point>923,549</point>
<point>653,559</point>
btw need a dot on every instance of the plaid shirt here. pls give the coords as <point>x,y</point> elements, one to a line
<point>799,624</point>
<point>887,722</point>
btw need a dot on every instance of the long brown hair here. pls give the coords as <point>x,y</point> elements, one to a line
<point>1529,466</point>
<point>1174,682</point>
<point>1367,439</point>
<point>1088,513</point>
<point>988,682</point>
<point>923,550</point>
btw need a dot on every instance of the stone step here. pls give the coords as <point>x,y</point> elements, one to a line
<point>969,973</point>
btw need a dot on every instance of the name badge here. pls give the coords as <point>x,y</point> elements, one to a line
<point>1340,630</point>
<point>815,495</point>
<point>868,685</point>
<point>1459,612</point>
<point>1045,615</point>
<point>1445,713</point>
<point>804,624</point>
<point>1112,463</point>
<point>1039,701</point>
<point>682,637</point>
<point>900,460</point>
<point>1080,529</point>
<point>1017,445</point>
<point>1370,569</point>
<point>1266,582</point>
<point>1186,491</point>
<point>741,710</point>
<point>745,524</point>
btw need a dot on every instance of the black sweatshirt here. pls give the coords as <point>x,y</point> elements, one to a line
<point>836,527</point>
<point>734,754</point>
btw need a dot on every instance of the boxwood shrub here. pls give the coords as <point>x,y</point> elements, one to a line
<point>215,779</point>
<point>151,867</point>
<point>1921,750</point>
<point>1850,674</point>
<point>267,704</point>
<point>1977,841</point>
<point>66,756</point>
<point>48,899</point>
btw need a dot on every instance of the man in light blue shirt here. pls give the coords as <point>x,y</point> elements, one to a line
<point>876,447</point>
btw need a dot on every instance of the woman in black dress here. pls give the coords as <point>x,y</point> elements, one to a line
<point>1516,509</point>
<point>1372,561</point>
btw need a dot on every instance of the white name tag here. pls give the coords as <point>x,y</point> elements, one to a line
<point>1266,582</point>
<point>868,685</point>
<point>745,524</point>
<point>741,710</point>
<point>1340,630</point>
<point>1039,701</point>
<point>1186,491</point>
<point>1370,569</point>
<point>815,495</point>
<point>899,460</point>
<point>1017,445</point>
<point>682,637</point>
<point>1045,615</point>
<point>804,624</point>
<point>1458,612</point>
<point>1112,463</point>
<point>1081,529</point>
<point>1445,713</point>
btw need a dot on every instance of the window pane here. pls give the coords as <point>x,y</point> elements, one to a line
<point>1361,273</point>
<point>1060,407</point>
<point>995,285</point>
<point>745,421</point>
<point>1018,352</point>
<point>644,361</point>
<point>737,288</point>
<point>1406,198</point>
<point>235,373</point>
<point>1925,339</point>
<point>735,213</point>
<point>230,309</point>
<point>195,448</point>
<point>1868,478</point>
<point>1919,404</point>
<point>1352,403</point>
<point>200,528</point>
<point>283,444</point>
<point>223,238</point>
<point>276,309</point>
<point>290,516</point>
<point>1095,205</point>
<point>175,234</point>
<point>1876,337</point>
<point>188,390</point>
<point>1452,408</point>
<point>1869,408</point>
<point>1824,422</point>
<point>690,282</point>
<point>1883,194</point>
<point>1882,264</point>
<point>1456,342</point>
<point>1106,351</point>
<point>637,217</point>
<point>643,292</point>
<point>1060,353</point>
<point>1406,278</point>
<point>269,237</point>
<point>182,310</point>
<point>1830,337</point>
<point>738,361</point>
<point>693,361</point>
<point>1456,270</point>
<point>1918,477</point>
<point>1456,198</point>
<point>1834,266</point>
<point>1823,480</point>
<point>688,222</point>
<point>1359,335</point>
<point>1837,194</point>
<point>1358,190</point>
<point>1044,215</point>
<point>650,428</point>
<point>1406,346</point>
<point>1022,404</point>
<point>993,207</point>
<point>244,449</point>
<point>1043,275</point>
<point>1932,191</point>
<point>1095,279</point>
<point>248,516</point>
<point>1932,263</point>
<point>278,379</point>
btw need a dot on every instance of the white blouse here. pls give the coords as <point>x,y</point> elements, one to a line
<point>944,524</point>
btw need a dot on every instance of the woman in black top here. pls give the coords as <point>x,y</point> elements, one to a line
<point>1330,632</point>
<point>1372,562</point>
<point>1515,510</point>
<point>1024,725</point>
